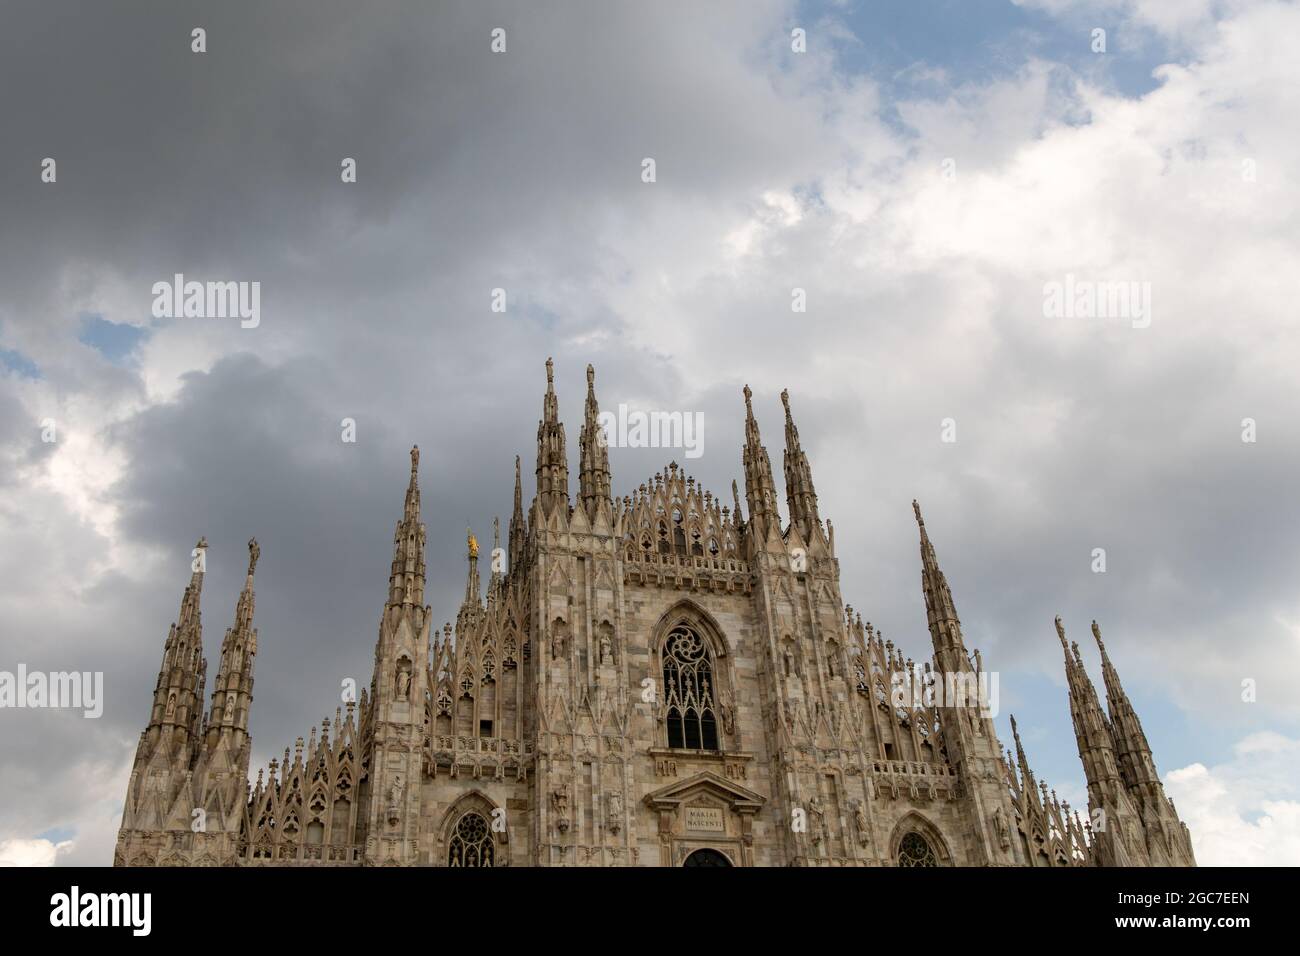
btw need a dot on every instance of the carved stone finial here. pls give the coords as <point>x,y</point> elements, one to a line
<point>415,458</point>
<point>748,397</point>
<point>916,510</point>
<point>254,552</point>
<point>550,372</point>
<point>1060,630</point>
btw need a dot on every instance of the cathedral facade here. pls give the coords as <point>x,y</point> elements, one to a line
<point>659,679</point>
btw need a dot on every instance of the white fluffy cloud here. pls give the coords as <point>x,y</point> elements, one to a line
<point>1245,812</point>
<point>31,852</point>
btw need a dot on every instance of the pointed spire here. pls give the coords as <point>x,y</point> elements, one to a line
<point>233,694</point>
<point>472,580</point>
<point>178,693</point>
<point>760,491</point>
<point>1026,774</point>
<point>945,626</point>
<point>552,459</point>
<point>1091,730</point>
<point>494,562</point>
<point>518,531</point>
<point>190,600</point>
<point>593,475</point>
<point>407,580</point>
<point>800,495</point>
<point>1136,762</point>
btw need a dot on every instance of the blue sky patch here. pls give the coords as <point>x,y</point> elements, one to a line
<point>19,364</point>
<point>112,340</point>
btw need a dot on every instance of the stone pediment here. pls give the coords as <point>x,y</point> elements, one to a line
<point>740,799</point>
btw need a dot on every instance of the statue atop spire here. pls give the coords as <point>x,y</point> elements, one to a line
<point>800,495</point>
<point>406,581</point>
<point>472,544</point>
<point>760,490</point>
<point>254,552</point>
<point>552,458</point>
<point>593,450</point>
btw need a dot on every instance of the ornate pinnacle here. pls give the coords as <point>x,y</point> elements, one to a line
<point>254,552</point>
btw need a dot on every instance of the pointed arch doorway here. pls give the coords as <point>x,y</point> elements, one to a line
<point>706,857</point>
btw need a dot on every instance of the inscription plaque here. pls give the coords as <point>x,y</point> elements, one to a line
<point>704,818</point>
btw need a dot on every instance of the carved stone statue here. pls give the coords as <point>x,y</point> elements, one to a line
<point>557,641</point>
<point>171,705</point>
<point>728,716</point>
<point>614,811</point>
<point>403,683</point>
<point>606,648</point>
<point>860,823</point>
<point>1000,824</point>
<point>395,792</point>
<point>816,819</point>
<point>560,806</point>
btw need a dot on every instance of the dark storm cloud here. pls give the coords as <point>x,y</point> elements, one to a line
<point>521,171</point>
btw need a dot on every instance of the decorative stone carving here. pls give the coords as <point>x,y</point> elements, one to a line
<point>560,806</point>
<point>395,792</point>
<point>816,820</point>
<point>860,823</point>
<point>1000,825</point>
<point>614,811</point>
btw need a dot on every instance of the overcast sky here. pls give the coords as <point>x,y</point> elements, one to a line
<point>921,171</point>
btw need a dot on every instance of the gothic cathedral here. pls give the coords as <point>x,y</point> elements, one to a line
<point>654,680</point>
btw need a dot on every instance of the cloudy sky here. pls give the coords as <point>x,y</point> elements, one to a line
<point>923,171</point>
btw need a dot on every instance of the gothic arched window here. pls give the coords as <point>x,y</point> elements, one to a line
<point>915,850</point>
<point>689,691</point>
<point>471,842</point>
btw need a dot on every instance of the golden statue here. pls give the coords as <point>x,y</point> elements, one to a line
<point>473,543</point>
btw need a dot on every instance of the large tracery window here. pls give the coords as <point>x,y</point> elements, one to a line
<point>688,691</point>
<point>471,842</point>
<point>915,850</point>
